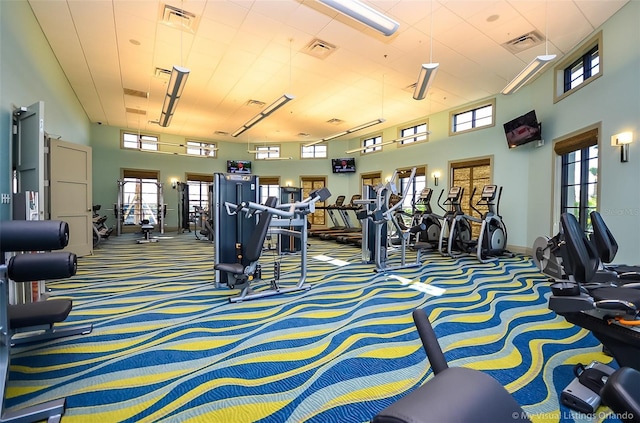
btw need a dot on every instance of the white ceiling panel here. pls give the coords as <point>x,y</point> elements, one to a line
<point>245,49</point>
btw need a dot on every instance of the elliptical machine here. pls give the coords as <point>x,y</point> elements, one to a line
<point>492,240</point>
<point>427,239</point>
<point>452,210</point>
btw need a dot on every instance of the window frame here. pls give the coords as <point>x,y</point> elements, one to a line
<point>579,53</point>
<point>373,148</point>
<point>414,126</point>
<point>201,146</point>
<point>314,151</point>
<point>139,140</point>
<point>473,108</point>
<point>264,152</point>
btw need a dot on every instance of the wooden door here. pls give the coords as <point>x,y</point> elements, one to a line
<point>309,184</point>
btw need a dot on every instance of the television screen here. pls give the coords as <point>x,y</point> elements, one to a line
<point>523,129</point>
<point>344,165</point>
<point>238,166</point>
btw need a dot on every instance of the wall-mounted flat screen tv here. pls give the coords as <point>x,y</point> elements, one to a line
<point>343,165</point>
<point>523,129</point>
<point>238,166</point>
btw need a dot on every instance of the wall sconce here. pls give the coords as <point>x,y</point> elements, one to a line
<point>622,140</point>
<point>288,183</point>
<point>436,178</point>
<point>174,183</point>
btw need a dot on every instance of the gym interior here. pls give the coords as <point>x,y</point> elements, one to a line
<point>208,285</point>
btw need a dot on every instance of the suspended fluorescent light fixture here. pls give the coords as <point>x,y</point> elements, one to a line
<point>528,73</point>
<point>408,137</point>
<point>425,78</point>
<point>263,114</point>
<point>369,146</point>
<point>364,14</point>
<point>348,131</point>
<point>177,82</point>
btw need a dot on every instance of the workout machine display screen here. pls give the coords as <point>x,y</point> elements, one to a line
<point>344,165</point>
<point>523,129</point>
<point>238,166</point>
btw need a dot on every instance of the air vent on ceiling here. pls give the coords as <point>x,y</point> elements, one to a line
<point>335,121</point>
<point>303,134</point>
<point>223,133</point>
<point>136,111</point>
<point>136,93</point>
<point>524,42</point>
<point>318,48</point>
<point>256,103</point>
<point>178,18</point>
<point>162,73</point>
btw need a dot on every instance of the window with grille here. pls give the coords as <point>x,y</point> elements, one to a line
<point>199,192</point>
<point>203,149</point>
<point>139,141</point>
<point>371,144</point>
<point>582,69</point>
<point>267,152</point>
<point>579,69</point>
<point>318,151</point>
<point>477,117</point>
<point>579,176</point>
<point>407,139</point>
<point>269,187</point>
<point>412,189</point>
<point>140,196</point>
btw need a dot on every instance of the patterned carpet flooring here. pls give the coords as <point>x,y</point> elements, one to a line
<point>167,346</point>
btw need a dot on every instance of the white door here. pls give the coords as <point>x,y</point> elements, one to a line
<point>71,192</point>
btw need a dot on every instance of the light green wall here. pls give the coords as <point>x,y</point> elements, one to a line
<point>30,73</point>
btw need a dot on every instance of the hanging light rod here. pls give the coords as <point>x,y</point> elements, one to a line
<point>369,146</point>
<point>408,137</point>
<point>348,131</point>
<point>263,114</point>
<point>425,78</point>
<point>364,14</point>
<point>177,82</point>
<point>528,73</point>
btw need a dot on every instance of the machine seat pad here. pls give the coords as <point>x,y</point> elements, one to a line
<point>147,227</point>
<point>620,393</point>
<point>456,394</point>
<point>38,313</point>
<point>234,268</point>
<point>617,293</point>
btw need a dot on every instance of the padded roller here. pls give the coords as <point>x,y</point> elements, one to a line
<point>33,235</point>
<point>37,266</point>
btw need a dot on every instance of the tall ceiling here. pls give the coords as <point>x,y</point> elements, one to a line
<point>243,50</point>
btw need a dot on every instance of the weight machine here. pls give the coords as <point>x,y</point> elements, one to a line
<point>125,210</point>
<point>285,219</point>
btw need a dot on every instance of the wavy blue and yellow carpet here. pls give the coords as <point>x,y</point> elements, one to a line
<point>168,346</point>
